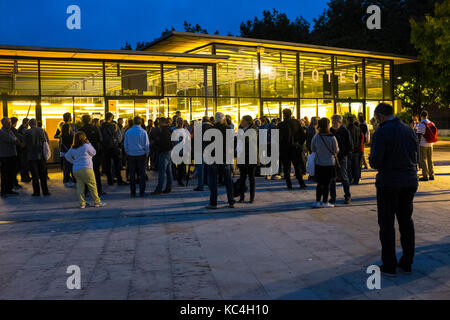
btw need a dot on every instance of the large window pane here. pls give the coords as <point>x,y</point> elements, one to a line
<point>325,108</point>
<point>22,109</point>
<point>53,110</point>
<point>71,77</point>
<point>374,79</point>
<point>348,74</point>
<point>94,106</point>
<point>19,77</point>
<point>278,74</point>
<point>248,106</point>
<point>147,109</point>
<point>315,75</point>
<point>179,104</point>
<point>198,108</point>
<point>308,108</point>
<point>238,75</point>
<point>121,108</point>
<point>125,79</point>
<point>180,80</point>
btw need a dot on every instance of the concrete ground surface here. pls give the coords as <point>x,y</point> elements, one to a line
<point>170,247</point>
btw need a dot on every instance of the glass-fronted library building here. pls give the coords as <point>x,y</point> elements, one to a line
<point>196,74</point>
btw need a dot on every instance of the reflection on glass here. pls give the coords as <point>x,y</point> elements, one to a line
<point>121,108</point>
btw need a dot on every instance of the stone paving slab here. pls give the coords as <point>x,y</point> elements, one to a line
<point>171,247</point>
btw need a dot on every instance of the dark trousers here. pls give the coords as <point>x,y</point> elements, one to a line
<point>212,171</point>
<point>354,171</point>
<point>154,155</point>
<point>323,174</point>
<point>114,156</point>
<point>294,157</point>
<point>200,170</point>
<point>137,164</point>
<point>396,202</point>
<point>97,162</point>
<point>67,171</point>
<point>24,167</point>
<point>7,174</point>
<point>16,170</point>
<point>345,181</point>
<point>180,172</point>
<point>244,171</point>
<point>164,170</point>
<point>38,170</point>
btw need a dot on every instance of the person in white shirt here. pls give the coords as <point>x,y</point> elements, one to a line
<point>137,147</point>
<point>426,148</point>
<point>80,156</point>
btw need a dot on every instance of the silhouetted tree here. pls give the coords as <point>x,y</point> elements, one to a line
<point>276,26</point>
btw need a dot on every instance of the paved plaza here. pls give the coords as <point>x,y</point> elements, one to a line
<point>170,247</point>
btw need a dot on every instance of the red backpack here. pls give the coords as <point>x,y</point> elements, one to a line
<point>431,132</point>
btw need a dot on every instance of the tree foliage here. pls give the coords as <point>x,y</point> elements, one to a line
<point>432,39</point>
<point>276,26</point>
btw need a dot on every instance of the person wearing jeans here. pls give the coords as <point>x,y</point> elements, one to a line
<point>345,146</point>
<point>80,155</point>
<point>137,147</point>
<point>163,141</point>
<point>325,145</point>
<point>394,154</point>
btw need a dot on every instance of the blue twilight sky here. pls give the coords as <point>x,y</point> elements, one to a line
<point>107,24</point>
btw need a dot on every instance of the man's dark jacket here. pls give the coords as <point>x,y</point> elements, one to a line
<point>344,140</point>
<point>94,135</point>
<point>394,154</point>
<point>355,133</point>
<point>163,139</point>
<point>34,141</point>
<point>310,133</point>
<point>291,135</point>
<point>110,140</point>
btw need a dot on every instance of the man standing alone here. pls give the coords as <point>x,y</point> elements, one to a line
<point>394,155</point>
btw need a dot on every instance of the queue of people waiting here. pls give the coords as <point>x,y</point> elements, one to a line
<point>107,147</point>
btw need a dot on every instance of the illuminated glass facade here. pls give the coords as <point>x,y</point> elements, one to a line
<point>253,79</point>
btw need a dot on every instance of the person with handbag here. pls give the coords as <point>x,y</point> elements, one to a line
<point>326,148</point>
<point>345,145</point>
<point>35,141</point>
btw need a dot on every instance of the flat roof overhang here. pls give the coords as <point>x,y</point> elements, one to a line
<point>113,55</point>
<point>177,41</point>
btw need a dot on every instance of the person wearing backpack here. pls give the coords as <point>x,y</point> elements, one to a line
<point>428,136</point>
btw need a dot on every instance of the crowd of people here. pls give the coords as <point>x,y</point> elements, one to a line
<point>107,148</point>
<point>331,150</point>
